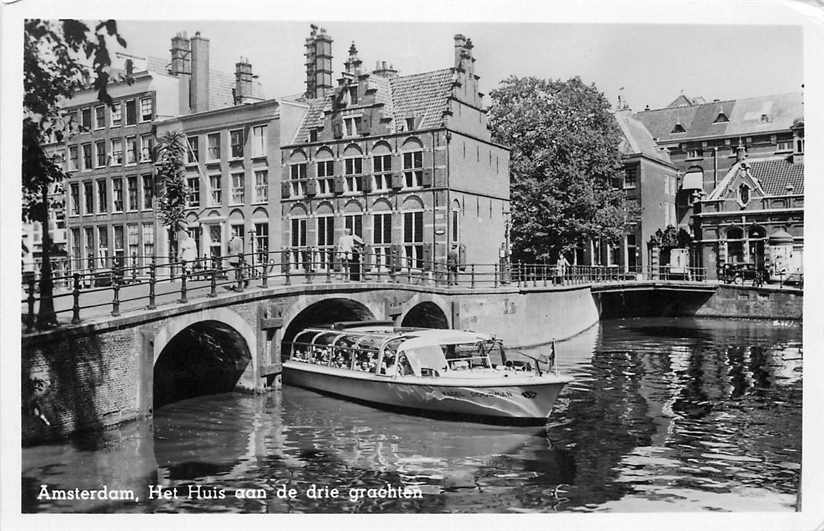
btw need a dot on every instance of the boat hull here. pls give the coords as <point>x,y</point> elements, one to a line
<point>525,401</point>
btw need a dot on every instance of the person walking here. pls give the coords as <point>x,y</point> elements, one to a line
<point>235,252</point>
<point>187,253</point>
<point>346,250</point>
<point>561,267</point>
<point>452,265</point>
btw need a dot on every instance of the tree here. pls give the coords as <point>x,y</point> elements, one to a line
<point>59,58</point>
<point>170,157</point>
<point>564,164</point>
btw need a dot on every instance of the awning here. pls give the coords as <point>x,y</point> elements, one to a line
<point>693,180</point>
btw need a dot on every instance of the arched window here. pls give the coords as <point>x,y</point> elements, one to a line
<point>412,164</point>
<point>743,194</point>
<point>353,169</point>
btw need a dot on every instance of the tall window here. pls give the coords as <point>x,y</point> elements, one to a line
<point>353,168</point>
<point>215,236</point>
<point>298,240</point>
<point>214,188</point>
<point>87,156</point>
<point>382,239</point>
<point>103,246</point>
<point>326,173</point>
<point>258,140</point>
<point>413,239</point>
<point>413,168</point>
<point>99,117</point>
<point>630,177</point>
<point>88,235</point>
<point>455,226</point>
<point>100,151</point>
<point>238,183</point>
<point>326,240</point>
<point>214,146</point>
<point>74,199</point>
<point>119,241</point>
<point>354,222</point>
<point>148,241</point>
<point>102,196</point>
<point>117,151</point>
<point>72,158</point>
<point>86,118</point>
<point>261,186</point>
<point>236,140</point>
<point>146,109</point>
<point>76,257</point>
<point>262,241</point>
<point>148,191</point>
<point>117,114</point>
<point>351,126</point>
<point>193,191</point>
<point>297,176</point>
<point>117,194</point>
<point>193,153</point>
<point>88,197</point>
<point>131,183</point>
<point>131,149</point>
<point>133,241</point>
<point>131,112</point>
<point>146,143</point>
<point>382,167</point>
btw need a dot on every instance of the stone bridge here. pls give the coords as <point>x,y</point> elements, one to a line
<point>112,369</point>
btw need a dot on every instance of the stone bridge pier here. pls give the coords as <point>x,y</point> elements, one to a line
<point>116,369</point>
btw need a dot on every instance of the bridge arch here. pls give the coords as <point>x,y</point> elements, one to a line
<point>323,311</point>
<point>426,311</point>
<point>206,352</point>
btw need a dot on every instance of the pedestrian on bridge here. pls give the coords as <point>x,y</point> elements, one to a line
<point>235,255</point>
<point>187,253</point>
<point>348,247</point>
<point>561,268</point>
<point>452,265</point>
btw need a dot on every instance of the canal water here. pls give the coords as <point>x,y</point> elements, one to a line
<point>664,415</point>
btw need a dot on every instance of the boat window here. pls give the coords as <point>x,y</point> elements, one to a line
<point>404,367</point>
<point>427,360</point>
<point>389,356</point>
<point>463,356</point>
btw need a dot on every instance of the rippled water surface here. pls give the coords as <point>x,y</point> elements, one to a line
<point>664,414</point>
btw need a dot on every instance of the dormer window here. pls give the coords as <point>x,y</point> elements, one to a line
<point>678,128</point>
<point>721,118</point>
<point>313,135</point>
<point>765,118</point>
<point>410,124</point>
<point>743,194</point>
<point>353,95</point>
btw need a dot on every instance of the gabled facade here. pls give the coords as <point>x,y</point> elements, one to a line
<point>758,205</point>
<point>406,162</point>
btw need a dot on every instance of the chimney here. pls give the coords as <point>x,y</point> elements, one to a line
<point>243,81</point>
<point>463,54</point>
<point>318,63</point>
<point>181,59</point>
<point>384,70</point>
<point>199,84</point>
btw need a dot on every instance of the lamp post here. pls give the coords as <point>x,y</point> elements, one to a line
<point>251,232</point>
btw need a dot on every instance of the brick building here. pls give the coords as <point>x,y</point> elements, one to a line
<point>406,162</point>
<point>755,211</point>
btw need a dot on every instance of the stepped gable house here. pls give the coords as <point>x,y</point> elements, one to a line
<point>405,161</point>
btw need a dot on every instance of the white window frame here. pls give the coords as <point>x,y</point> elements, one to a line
<point>261,189</point>
<point>102,123</point>
<point>259,140</point>
<point>190,193</point>
<point>142,117</point>
<point>382,179</point>
<point>353,182</point>
<point>784,146</point>
<point>122,195</point>
<point>96,154</point>
<point>131,140</point>
<point>209,148</point>
<point>212,190</point>
<point>232,155</point>
<point>116,114</point>
<point>137,196</point>
<point>298,183</point>
<point>237,191</point>
<point>325,178</point>
<point>415,171</point>
<point>102,205</point>
<point>417,246</point>
<point>145,148</point>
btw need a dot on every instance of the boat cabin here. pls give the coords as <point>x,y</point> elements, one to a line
<point>386,350</point>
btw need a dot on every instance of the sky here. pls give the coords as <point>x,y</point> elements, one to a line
<point>654,63</point>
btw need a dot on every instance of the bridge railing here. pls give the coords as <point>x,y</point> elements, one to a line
<point>146,282</point>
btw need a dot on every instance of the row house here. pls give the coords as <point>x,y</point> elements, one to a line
<point>405,162</point>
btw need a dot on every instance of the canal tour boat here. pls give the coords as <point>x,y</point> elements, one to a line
<point>428,371</point>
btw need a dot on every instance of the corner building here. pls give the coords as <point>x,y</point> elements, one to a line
<point>406,162</point>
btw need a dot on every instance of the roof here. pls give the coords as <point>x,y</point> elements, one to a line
<point>637,139</point>
<point>773,175</point>
<point>424,96</point>
<point>221,83</point>
<point>745,116</point>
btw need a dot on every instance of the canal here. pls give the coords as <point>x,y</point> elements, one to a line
<point>664,414</point>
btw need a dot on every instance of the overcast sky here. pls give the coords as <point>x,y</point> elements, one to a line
<point>654,63</point>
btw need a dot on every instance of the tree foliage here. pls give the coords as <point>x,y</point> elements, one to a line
<point>564,164</point>
<point>170,157</point>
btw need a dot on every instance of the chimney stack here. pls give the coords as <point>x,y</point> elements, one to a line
<point>318,63</point>
<point>463,54</point>
<point>199,85</point>
<point>353,64</point>
<point>181,58</point>
<point>243,82</point>
<point>382,69</point>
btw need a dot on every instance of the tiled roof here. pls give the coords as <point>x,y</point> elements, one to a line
<point>637,139</point>
<point>775,174</point>
<point>744,117</point>
<point>422,95</point>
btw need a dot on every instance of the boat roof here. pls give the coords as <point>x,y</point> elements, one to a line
<point>413,337</point>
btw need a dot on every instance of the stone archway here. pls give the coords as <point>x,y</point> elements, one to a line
<point>324,311</point>
<point>425,314</point>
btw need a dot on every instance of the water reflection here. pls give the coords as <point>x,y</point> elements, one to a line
<point>665,414</point>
